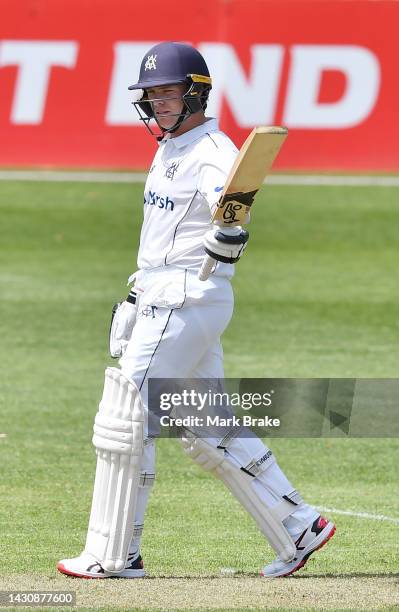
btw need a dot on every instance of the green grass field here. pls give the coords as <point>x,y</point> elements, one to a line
<point>316,296</point>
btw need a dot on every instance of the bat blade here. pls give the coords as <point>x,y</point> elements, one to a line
<point>252,165</point>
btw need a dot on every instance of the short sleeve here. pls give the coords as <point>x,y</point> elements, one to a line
<point>213,174</point>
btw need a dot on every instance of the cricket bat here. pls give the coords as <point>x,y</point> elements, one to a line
<point>252,165</point>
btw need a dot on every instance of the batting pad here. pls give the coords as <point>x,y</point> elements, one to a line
<point>269,520</point>
<point>118,438</point>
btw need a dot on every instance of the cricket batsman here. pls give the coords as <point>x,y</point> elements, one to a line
<point>170,327</point>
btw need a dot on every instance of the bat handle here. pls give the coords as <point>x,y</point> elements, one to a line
<point>206,267</point>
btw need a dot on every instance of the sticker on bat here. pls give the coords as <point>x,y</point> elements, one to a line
<point>231,212</point>
<point>245,198</point>
<point>233,203</point>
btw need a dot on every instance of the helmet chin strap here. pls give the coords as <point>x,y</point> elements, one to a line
<point>182,117</point>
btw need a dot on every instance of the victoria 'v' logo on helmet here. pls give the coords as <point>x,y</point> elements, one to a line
<point>151,63</point>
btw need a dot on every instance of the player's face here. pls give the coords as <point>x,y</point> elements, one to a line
<point>167,103</point>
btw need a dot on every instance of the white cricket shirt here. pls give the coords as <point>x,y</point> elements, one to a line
<point>184,182</point>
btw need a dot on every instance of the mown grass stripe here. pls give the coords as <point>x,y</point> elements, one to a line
<point>312,180</point>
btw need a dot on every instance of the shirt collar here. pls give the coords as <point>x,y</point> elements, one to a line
<point>188,137</point>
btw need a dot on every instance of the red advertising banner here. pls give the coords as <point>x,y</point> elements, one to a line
<point>325,69</point>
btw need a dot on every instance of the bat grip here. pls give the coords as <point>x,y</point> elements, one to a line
<point>206,268</point>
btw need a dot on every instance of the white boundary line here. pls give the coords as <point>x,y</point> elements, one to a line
<point>139,177</point>
<point>364,515</point>
<point>339,181</point>
<point>67,177</point>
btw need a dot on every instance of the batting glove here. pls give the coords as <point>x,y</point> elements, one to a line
<point>226,244</point>
<point>122,323</point>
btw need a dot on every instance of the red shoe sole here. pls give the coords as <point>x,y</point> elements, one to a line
<point>61,568</point>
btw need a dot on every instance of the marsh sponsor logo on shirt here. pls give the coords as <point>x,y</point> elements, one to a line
<point>152,198</point>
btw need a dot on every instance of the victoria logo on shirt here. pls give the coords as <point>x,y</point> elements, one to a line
<point>171,171</point>
<point>152,198</point>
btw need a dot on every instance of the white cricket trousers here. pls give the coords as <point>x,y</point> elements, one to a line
<point>182,339</point>
<point>180,320</point>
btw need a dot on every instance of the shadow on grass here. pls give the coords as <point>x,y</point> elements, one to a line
<point>256,575</point>
<point>350,575</point>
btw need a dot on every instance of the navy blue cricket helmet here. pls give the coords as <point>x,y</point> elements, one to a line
<point>172,63</point>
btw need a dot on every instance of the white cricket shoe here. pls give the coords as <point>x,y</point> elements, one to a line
<point>86,566</point>
<point>310,540</point>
